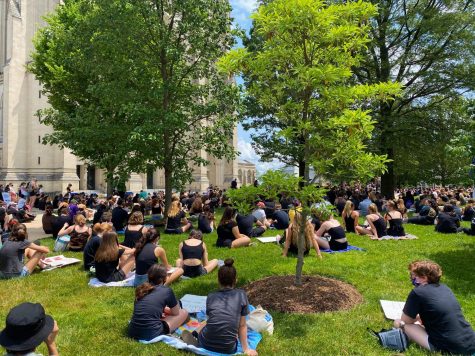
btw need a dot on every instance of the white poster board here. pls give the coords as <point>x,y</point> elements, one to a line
<point>392,310</point>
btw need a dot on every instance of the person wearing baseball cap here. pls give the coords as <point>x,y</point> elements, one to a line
<point>27,326</point>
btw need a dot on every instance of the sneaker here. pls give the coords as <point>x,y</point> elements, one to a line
<point>189,339</point>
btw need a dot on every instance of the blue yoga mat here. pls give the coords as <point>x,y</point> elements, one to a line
<point>349,248</point>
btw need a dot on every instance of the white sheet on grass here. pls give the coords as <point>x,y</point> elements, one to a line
<point>128,282</point>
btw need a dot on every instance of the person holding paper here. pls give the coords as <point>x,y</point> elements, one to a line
<point>226,310</point>
<point>432,316</point>
<point>156,309</point>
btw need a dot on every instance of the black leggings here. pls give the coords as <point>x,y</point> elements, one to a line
<point>421,220</point>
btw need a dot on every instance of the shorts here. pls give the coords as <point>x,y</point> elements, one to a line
<point>257,231</point>
<point>338,246</point>
<point>295,251</point>
<point>174,231</point>
<point>24,273</point>
<point>140,279</point>
<point>194,271</point>
<point>117,276</point>
<point>224,243</point>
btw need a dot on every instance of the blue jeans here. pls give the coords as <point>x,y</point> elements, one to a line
<point>24,273</point>
<point>140,279</point>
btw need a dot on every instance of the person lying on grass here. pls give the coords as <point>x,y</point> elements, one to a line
<point>92,245</point>
<point>330,226</point>
<point>113,261</point>
<point>14,252</point>
<point>292,236</point>
<point>193,259</point>
<point>432,316</point>
<point>377,225</point>
<point>27,326</point>
<point>228,231</point>
<point>147,253</point>
<point>156,309</point>
<point>226,310</point>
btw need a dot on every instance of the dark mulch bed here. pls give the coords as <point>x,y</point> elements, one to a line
<point>316,295</point>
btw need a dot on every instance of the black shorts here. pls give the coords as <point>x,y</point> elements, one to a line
<point>224,243</point>
<point>194,271</point>
<point>166,328</point>
<point>117,276</point>
<point>257,231</point>
<point>174,231</point>
<point>337,246</point>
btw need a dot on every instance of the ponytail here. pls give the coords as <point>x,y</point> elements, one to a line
<point>143,290</point>
<point>150,236</point>
<point>157,275</point>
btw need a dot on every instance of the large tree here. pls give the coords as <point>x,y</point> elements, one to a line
<point>147,68</point>
<point>428,47</point>
<point>299,92</point>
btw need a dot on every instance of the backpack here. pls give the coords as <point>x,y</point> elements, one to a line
<point>393,339</point>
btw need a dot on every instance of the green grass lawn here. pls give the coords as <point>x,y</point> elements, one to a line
<point>93,321</point>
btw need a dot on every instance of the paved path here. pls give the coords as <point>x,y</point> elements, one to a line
<point>35,227</point>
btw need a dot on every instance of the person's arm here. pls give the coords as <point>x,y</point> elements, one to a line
<point>287,241</point>
<point>204,260</point>
<point>343,220</point>
<point>42,249</point>
<point>181,253</point>
<point>162,255</point>
<point>356,217</point>
<point>236,232</point>
<point>259,223</point>
<point>243,338</point>
<point>371,225</point>
<point>65,230</point>
<point>321,230</point>
<point>51,341</point>
<point>127,250</point>
<point>316,247</point>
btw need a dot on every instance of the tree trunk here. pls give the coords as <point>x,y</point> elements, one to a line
<point>110,180</point>
<point>387,179</point>
<point>301,249</point>
<point>168,188</point>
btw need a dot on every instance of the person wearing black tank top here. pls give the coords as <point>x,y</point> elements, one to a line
<point>147,254</point>
<point>134,230</point>
<point>394,217</point>
<point>377,225</point>
<point>332,228</point>
<point>194,256</point>
<point>350,217</point>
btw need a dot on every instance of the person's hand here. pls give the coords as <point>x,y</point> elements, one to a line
<point>250,352</point>
<point>66,224</point>
<point>319,256</point>
<point>47,250</point>
<point>51,341</point>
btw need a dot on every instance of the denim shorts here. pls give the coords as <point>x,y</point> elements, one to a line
<point>24,273</point>
<point>140,279</point>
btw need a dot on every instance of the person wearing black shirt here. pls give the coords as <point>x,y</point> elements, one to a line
<point>228,232</point>
<point>119,216</point>
<point>280,218</point>
<point>153,300</point>
<point>447,221</point>
<point>442,327</point>
<point>176,221</point>
<point>246,225</point>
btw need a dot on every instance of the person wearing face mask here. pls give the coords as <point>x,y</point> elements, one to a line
<point>432,316</point>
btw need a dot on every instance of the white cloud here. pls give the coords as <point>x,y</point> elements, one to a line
<point>245,5</point>
<point>248,153</point>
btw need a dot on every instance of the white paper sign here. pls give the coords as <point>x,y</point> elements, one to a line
<point>58,261</point>
<point>267,239</point>
<point>392,310</point>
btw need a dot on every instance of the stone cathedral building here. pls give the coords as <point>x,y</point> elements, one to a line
<point>23,156</point>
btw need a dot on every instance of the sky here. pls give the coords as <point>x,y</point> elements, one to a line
<point>241,14</point>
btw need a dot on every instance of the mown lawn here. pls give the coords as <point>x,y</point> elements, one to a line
<point>93,321</point>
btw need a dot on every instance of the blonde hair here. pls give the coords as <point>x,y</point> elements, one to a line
<point>174,209</point>
<point>373,209</point>
<point>348,209</point>
<point>295,231</point>
<point>100,228</point>
<point>80,220</point>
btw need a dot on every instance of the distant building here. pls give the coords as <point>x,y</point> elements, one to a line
<point>23,156</point>
<point>246,172</point>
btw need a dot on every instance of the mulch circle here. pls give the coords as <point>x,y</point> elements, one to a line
<point>316,295</point>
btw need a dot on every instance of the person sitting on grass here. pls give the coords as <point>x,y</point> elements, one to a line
<point>226,310</point>
<point>394,217</point>
<point>447,221</point>
<point>61,220</point>
<point>194,256</point>
<point>79,232</point>
<point>48,219</point>
<point>228,231</point>
<point>156,309</point>
<point>26,327</point>
<point>427,214</point>
<point>134,229</point>
<point>177,222</point>
<point>260,214</point>
<point>469,210</point>
<point>93,244</point>
<point>350,217</point>
<point>330,226</point>
<point>246,225</point>
<point>147,253</point>
<point>377,225</point>
<point>14,251</point>
<point>292,236</point>
<point>280,218</point>
<point>432,316</point>
<point>112,261</point>
<point>206,220</point>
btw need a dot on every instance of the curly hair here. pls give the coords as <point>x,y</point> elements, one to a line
<point>426,268</point>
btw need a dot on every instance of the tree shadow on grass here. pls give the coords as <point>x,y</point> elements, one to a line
<point>458,268</point>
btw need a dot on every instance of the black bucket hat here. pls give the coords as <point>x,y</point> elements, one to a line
<point>27,326</point>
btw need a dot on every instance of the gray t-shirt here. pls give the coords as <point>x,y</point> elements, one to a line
<point>224,309</point>
<point>11,257</point>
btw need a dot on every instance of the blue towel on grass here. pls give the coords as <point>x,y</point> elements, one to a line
<point>349,248</point>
